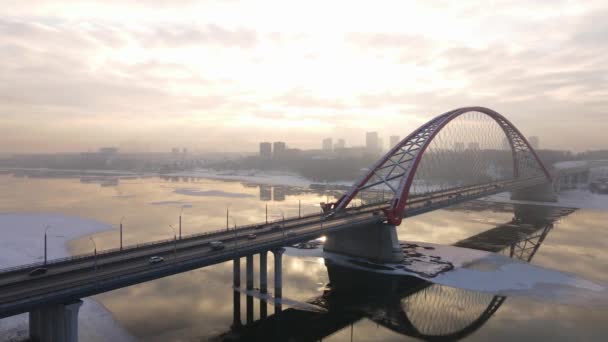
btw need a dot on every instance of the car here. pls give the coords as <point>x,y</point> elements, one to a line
<point>216,245</point>
<point>376,213</point>
<point>275,226</point>
<point>290,234</point>
<point>38,271</point>
<point>251,236</point>
<point>599,186</point>
<point>428,203</point>
<point>156,259</point>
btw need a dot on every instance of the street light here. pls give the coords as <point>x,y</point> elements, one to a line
<point>174,241</point>
<point>180,222</point>
<point>45,230</point>
<point>121,219</point>
<point>94,253</point>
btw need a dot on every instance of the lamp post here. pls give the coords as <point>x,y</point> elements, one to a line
<point>299,208</point>
<point>121,219</point>
<point>45,230</point>
<point>174,241</point>
<point>180,222</point>
<point>94,253</point>
<point>227,216</point>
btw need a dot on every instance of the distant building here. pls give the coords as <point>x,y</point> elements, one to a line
<point>380,144</point>
<point>265,193</point>
<point>175,150</point>
<point>394,140</point>
<point>327,145</point>
<point>266,150</point>
<point>184,150</point>
<point>371,142</point>
<point>458,146</point>
<point>534,142</point>
<point>473,146</point>
<point>279,148</point>
<point>339,145</point>
<point>108,150</point>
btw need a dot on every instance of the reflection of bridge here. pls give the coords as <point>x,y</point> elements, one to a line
<point>430,169</point>
<point>405,305</point>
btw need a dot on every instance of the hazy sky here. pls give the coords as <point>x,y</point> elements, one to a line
<point>224,75</point>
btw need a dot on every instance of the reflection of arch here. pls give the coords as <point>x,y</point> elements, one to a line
<point>399,303</point>
<point>395,171</point>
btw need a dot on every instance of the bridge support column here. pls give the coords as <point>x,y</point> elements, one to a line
<point>249,270</point>
<point>236,272</point>
<point>263,283</point>
<point>537,193</point>
<point>278,278</point>
<point>55,323</point>
<point>378,242</point>
<point>249,284</point>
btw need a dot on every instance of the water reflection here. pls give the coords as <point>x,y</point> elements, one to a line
<point>404,305</point>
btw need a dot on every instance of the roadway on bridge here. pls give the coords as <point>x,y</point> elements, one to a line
<point>68,279</point>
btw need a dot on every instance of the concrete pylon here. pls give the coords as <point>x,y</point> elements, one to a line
<point>538,193</point>
<point>278,278</point>
<point>55,323</point>
<point>377,242</point>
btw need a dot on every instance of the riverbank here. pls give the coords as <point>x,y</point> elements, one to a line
<point>23,243</point>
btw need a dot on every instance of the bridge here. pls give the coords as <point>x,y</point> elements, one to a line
<point>405,305</point>
<point>428,170</point>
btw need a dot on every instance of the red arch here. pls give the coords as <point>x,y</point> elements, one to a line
<point>517,142</point>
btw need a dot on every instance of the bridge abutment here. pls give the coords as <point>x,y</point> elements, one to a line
<point>378,242</point>
<point>538,193</point>
<point>55,323</point>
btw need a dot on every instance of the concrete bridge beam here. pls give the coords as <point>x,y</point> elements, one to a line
<point>378,242</point>
<point>539,193</point>
<point>55,323</point>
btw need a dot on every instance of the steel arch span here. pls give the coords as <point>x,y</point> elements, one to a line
<point>394,173</point>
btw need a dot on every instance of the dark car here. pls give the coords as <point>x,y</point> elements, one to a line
<point>38,271</point>
<point>599,186</point>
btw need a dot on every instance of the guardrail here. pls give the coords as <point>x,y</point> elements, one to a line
<point>82,257</point>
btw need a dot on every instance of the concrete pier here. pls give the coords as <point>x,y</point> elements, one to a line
<point>278,278</point>
<point>55,323</point>
<point>236,272</point>
<point>249,271</point>
<point>538,193</point>
<point>263,283</point>
<point>377,242</point>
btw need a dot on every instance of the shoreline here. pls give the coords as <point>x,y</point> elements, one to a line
<point>96,322</point>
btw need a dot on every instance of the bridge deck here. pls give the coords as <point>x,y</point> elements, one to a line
<point>79,277</point>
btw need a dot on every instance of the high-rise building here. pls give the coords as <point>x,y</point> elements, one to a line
<point>265,150</point>
<point>175,150</point>
<point>371,142</point>
<point>327,145</point>
<point>458,146</point>
<point>279,149</point>
<point>534,142</point>
<point>339,145</point>
<point>380,144</point>
<point>473,146</point>
<point>394,140</point>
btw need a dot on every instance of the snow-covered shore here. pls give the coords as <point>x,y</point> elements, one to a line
<point>576,198</point>
<point>23,243</point>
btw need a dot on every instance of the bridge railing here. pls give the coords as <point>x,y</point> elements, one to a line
<point>129,248</point>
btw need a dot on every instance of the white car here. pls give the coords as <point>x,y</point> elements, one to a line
<point>156,259</point>
<point>251,236</point>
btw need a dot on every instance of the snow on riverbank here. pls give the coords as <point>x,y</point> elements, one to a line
<point>23,243</point>
<point>478,271</point>
<point>577,198</point>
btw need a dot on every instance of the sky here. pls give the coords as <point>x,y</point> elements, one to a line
<point>225,75</point>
